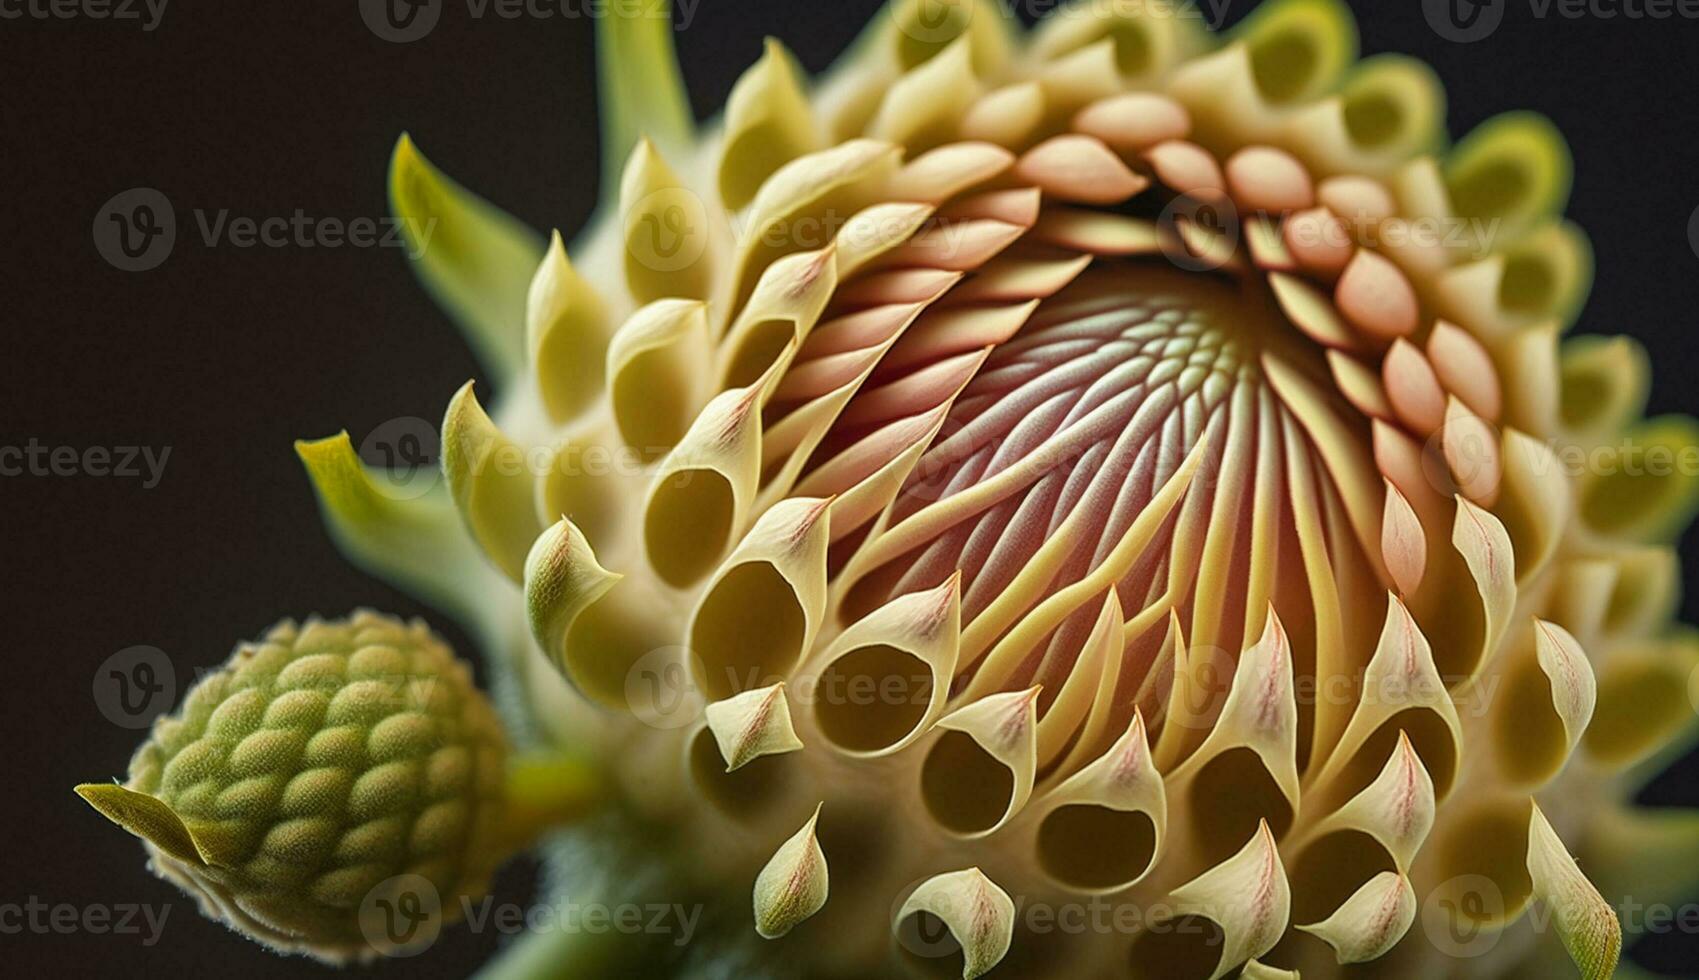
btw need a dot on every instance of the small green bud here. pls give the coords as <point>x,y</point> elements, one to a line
<point>311,769</point>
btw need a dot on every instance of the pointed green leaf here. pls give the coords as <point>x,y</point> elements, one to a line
<point>642,90</point>
<point>476,259</point>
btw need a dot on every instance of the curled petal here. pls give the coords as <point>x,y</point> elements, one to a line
<point>1371,921</point>
<point>562,580</point>
<point>1247,895</point>
<point>980,772</point>
<point>492,484</point>
<point>566,323</point>
<point>654,373</point>
<point>1102,829</point>
<point>768,123</point>
<point>667,233</point>
<point>886,679</point>
<point>978,914</point>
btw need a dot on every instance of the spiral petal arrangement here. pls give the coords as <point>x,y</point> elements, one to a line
<point>1109,466</point>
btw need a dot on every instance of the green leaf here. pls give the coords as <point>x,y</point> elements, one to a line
<point>476,259</point>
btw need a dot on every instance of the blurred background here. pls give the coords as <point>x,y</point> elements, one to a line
<point>225,355</point>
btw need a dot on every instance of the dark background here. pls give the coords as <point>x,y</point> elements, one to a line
<point>227,354</point>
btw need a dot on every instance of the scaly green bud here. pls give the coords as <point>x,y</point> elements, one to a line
<point>314,767</point>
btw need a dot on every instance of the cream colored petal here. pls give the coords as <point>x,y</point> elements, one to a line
<point>1265,178</point>
<point>1079,169</point>
<point>1319,242</point>
<point>1574,691</point>
<point>491,482</point>
<point>1465,369</point>
<point>750,725</point>
<point>787,302</point>
<point>1007,116</point>
<point>1471,448</point>
<point>1536,504</point>
<point>922,108</point>
<point>1485,546</point>
<point>1089,836</point>
<point>1376,296</point>
<point>1397,809</point>
<point>668,250</point>
<point>1412,388</point>
<point>655,376</point>
<point>1400,677</point>
<point>1134,121</point>
<point>769,123</point>
<point>1371,921</point>
<point>567,330</point>
<point>937,175</point>
<point>1247,895</point>
<point>978,914</point>
<point>886,679</point>
<point>794,883</point>
<point>1260,714</point>
<point>875,230</point>
<point>1312,312</point>
<point>701,494</point>
<point>765,604</point>
<point>1403,542</point>
<point>980,771</point>
<point>562,580</point>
